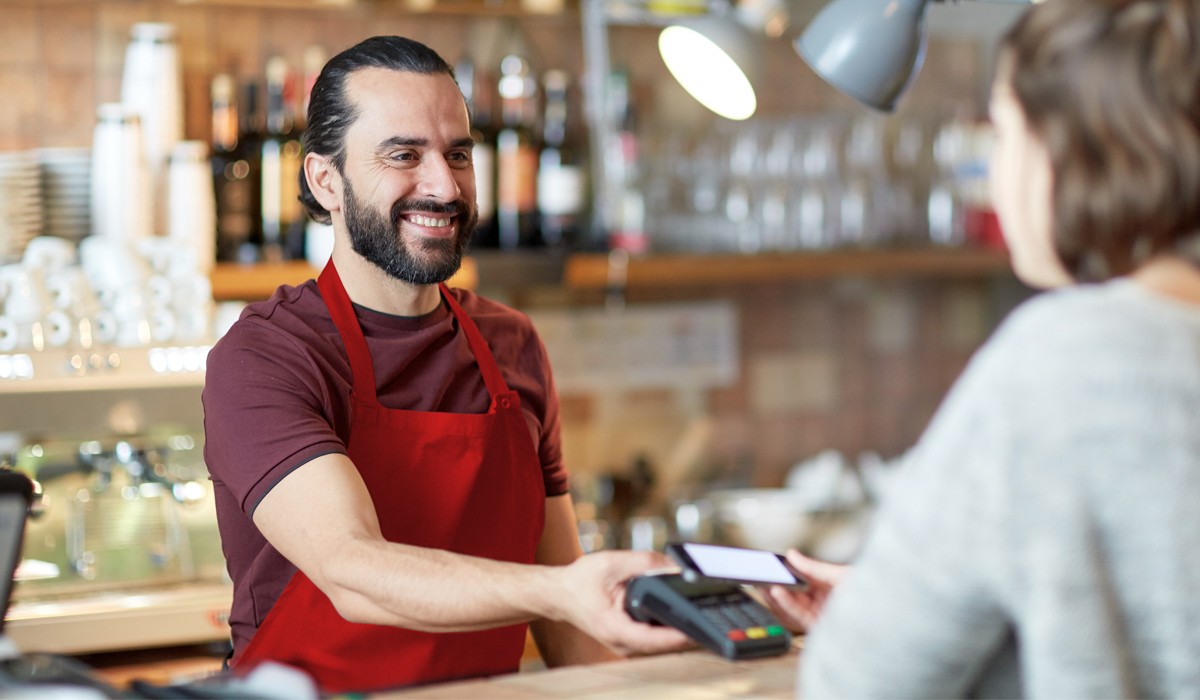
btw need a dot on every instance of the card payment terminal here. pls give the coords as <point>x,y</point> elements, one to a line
<point>719,615</point>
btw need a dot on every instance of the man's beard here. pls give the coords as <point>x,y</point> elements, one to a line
<point>379,240</point>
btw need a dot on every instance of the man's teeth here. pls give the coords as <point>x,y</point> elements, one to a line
<point>429,221</point>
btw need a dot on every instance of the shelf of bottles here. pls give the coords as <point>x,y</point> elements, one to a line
<point>554,170</point>
<point>529,157</point>
<point>782,197</point>
<point>257,129</point>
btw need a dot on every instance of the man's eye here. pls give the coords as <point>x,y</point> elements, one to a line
<point>403,156</point>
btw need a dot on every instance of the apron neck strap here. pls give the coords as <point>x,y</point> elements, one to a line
<point>342,311</point>
<point>361,366</point>
<point>479,347</point>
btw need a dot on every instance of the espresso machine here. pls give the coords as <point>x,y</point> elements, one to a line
<point>121,546</point>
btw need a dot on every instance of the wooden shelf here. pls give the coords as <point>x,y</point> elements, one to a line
<point>233,282</point>
<point>569,11</point>
<point>601,270</point>
<point>590,271</point>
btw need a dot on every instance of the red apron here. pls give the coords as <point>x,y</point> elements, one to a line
<point>468,483</point>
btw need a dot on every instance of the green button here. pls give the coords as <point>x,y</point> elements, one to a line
<point>774,631</point>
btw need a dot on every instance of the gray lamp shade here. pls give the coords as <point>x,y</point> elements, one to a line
<point>868,49</point>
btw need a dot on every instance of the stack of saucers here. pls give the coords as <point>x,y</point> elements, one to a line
<point>66,191</point>
<point>20,203</point>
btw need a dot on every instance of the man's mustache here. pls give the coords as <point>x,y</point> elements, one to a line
<point>458,207</point>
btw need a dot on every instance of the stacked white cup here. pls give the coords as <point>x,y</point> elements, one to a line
<point>152,86</point>
<point>118,274</point>
<point>191,206</point>
<point>45,259</point>
<point>24,304</point>
<point>121,207</point>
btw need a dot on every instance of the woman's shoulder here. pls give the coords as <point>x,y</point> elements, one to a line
<point>1117,313</point>
<point>1086,336</point>
<point>1060,309</point>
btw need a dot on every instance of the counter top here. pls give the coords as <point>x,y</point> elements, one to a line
<point>156,616</point>
<point>698,675</point>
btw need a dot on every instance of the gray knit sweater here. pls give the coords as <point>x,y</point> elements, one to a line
<point>1044,537</point>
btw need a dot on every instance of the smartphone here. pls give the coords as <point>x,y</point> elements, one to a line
<point>734,564</point>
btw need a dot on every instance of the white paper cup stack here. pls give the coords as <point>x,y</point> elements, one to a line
<point>120,192</point>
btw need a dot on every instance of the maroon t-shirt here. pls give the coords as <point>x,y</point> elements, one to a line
<point>276,395</point>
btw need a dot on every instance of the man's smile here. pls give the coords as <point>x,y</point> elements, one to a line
<point>438,225</point>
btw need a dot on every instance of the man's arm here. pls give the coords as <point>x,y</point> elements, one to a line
<point>321,518</point>
<point>560,643</point>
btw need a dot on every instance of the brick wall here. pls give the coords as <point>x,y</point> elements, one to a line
<point>853,364</point>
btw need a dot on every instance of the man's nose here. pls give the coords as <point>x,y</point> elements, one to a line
<point>438,180</point>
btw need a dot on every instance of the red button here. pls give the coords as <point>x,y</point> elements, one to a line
<point>736,635</point>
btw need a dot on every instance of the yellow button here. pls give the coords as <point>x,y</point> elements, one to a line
<point>756,633</point>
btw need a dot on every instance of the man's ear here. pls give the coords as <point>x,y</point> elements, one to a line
<point>323,180</point>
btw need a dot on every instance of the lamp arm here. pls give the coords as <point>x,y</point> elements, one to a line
<point>601,130</point>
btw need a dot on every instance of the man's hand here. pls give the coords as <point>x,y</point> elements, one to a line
<point>592,593</point>
<point>799,609</point>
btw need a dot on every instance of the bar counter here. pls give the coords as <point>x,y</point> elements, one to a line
<point>689,675</point>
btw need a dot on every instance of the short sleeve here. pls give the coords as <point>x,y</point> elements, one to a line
<point>266,411</point>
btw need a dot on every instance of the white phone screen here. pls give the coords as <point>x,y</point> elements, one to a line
<point>715,561</point>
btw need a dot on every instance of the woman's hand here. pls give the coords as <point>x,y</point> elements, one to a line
<point>800,608</point>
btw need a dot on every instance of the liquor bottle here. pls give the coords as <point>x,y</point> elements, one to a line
<point>282,218</point>
<point>235,174</point>
<point>623,170</point>
<point>477,91</point>
<point>251,138</point>
<point>560,183</point>
<point>516,158</point>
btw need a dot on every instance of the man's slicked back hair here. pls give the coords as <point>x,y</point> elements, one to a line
<point>330,112</point>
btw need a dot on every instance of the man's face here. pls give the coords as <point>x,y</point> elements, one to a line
<point>408,182</point>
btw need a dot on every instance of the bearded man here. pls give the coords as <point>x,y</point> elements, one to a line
<point>386,451</point>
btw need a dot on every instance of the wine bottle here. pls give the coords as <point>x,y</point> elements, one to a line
<point>477,91</point>
<point>251,139</point>
<point>516,158</point>
<point>560,181</point>
<point>235,174</point>
<point>622,165</point>
<point>282,218</point>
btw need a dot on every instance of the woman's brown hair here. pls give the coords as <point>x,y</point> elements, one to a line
<point>1112,87</point>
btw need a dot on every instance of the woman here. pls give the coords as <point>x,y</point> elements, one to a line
<point>1045,540</point>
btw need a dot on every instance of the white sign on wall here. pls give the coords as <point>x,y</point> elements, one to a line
<point>641,346</point>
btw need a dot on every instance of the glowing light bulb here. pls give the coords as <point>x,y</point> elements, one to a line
<point>707,72</point>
